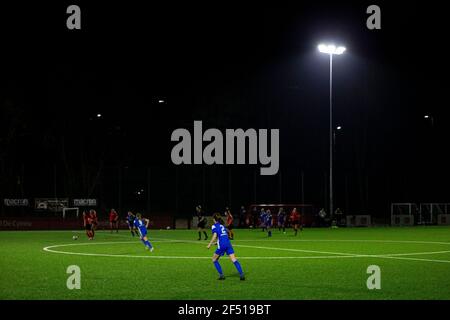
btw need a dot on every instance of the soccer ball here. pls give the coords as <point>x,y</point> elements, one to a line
<point>75,237</point>
<point>168,228</point>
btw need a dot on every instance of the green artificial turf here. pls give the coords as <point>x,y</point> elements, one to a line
<point>317,264</point>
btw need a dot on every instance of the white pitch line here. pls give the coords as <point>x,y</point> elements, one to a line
<point>345,240</point>
<point>326,252</point>
<point>49,249</point>
<point>334,254</point>
<point>287,240</point>
<point>353,255</point>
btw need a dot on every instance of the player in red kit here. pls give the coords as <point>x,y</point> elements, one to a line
<point>114,220</point>
<point>87,222</point>
<point>229,223</point>
<point>295,219</point>
<point>94,220</point>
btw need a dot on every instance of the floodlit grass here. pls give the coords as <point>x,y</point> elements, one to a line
<point>317,264</point>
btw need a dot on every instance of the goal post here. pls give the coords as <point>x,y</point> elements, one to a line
<point>404,214</point>
<point>70,212</point>
<point>429,212</point>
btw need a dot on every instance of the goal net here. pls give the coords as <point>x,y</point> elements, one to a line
<point>404,214</point>
<point>70,212</point>
<point>429,212</point>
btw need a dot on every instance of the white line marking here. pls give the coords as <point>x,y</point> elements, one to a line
<point>399,256</point>
<point>352,255</point>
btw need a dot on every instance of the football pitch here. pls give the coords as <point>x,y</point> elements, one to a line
<point>321,263</point>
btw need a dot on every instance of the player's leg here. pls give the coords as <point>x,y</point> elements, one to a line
<point>88,232</point>
<point>231,233</point>
<point>295,228</point>
<point>199,230</point>
<point>215,260</point>
<point>206,235</point>
<point>93,231</point>
<point>111,226</point>
<point>117,226</point>
<point>141,236</point>
<point>147,243</point>
<point>237,265</point>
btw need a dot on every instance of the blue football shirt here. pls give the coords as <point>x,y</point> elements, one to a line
<point>222,235</point>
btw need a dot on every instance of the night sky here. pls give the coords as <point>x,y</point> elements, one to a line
<point>232,66</point>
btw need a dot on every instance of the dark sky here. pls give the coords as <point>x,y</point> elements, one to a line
<point>230,65</point>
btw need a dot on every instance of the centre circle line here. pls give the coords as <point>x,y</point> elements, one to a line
<point>331,255</point>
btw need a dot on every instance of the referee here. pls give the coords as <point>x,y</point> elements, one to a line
<point>201,224</point>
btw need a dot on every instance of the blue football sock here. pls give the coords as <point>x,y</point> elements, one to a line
<point>238,267</point>
<point>147,243</point>
<point>218,267</point>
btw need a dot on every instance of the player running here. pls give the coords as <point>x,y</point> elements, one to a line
<point>201,224</point>
<point>281,218</point>
<point>113,220</point>
<point>142,228</point>
<point>295,219</point>
<point>262,219</point>
<point>87,222</point>
<point>229,223</point>
<point>223,246</point>
<point>94,220</point>
<point>130,222</point>
<point>269,222</point>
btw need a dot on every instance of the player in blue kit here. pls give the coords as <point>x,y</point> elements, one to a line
<point>130,221</point>
<point>269,222</point>
<point>142,229</point>
<point>262,219</point>
<point>220,234</point>
<point>281,217</point>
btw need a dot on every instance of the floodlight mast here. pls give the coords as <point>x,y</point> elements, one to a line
<point>331,49</point>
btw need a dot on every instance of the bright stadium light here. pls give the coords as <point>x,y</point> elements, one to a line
<point>331,50</point>
<point>338,127</point>
<point>99,115</point>
<point>429,117</point>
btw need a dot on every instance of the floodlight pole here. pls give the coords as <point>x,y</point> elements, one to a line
<point>331,49</point>
<point>331,137</point>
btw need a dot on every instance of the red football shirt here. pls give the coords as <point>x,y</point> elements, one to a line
<point>87,218</point>
<point>112,216</point>
<point>295,216</point>
<point>229,219</point>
